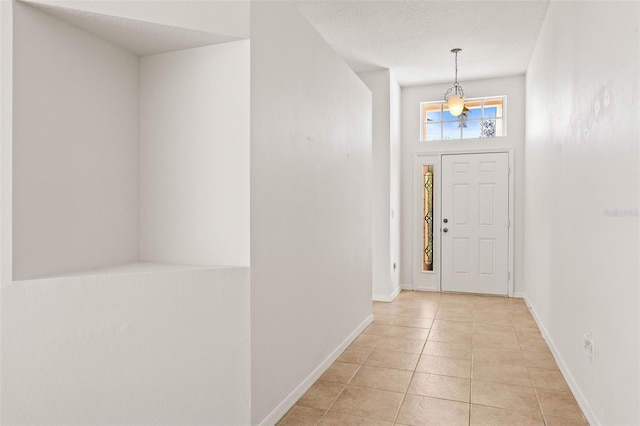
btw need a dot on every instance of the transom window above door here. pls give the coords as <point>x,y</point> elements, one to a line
<point>481,118</point>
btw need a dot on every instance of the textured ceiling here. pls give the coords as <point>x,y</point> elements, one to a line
<point>137,36</point>
<point>414,38</point>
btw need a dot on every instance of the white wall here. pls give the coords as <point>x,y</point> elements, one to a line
<point>130,345</point>
<point>141,348</point>
<point>75,121</point>
<point>582,164</point>
<point>386,182</point>
<point>194,144</point>
<point>395,158</point>
<point>513,88</point>
<point>310,207</point>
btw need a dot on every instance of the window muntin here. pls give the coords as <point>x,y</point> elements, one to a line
<point>483,118</point>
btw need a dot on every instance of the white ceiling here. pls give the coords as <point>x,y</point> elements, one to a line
<point>146,34</point>
<point>414,38</point>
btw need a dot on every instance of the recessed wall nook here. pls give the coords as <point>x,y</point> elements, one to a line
<point>131,145</point>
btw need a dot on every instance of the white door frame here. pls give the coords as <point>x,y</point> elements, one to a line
<point>416,227</point>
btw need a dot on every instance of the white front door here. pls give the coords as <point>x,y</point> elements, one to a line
<point>475,223</point>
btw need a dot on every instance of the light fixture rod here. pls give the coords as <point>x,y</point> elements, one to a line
<point>455,95</point>
<point>455,52</point>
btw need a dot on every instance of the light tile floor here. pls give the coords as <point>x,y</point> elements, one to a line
<point>442,359</point>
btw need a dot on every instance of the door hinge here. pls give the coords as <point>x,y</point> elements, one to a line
<point>509,222</point>
<point>509,171</point>
<point>509,275</point>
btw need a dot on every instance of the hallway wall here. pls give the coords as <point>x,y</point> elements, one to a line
<point>131,344</point>
<point>310,207</point>
<point>385,183</point>
<point>582,170</point>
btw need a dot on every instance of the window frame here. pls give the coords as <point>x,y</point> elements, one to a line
<point>442,104</point>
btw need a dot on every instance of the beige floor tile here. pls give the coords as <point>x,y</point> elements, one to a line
<point>483,300</point>
<point>491,416</point>
<point>559,421</point>
<point>355,355</point>
<point>299,415</point>
<point>392,359</point>
<point>524,315</point>
<point>367,402</point>
<point>445,387</point>
<point>531,343</point>
<point>452,350</point>
<point>386,309</point>
<point>409,321</point>
<point>450,336</point>
<point>377,329</point>
<point>495,317</point>
<point>497,340</point>
<point>501,373</point>
<point>408,332</point>
<point>321,395</point>
<point>384,318</point>
<point>459,307</point>
<point>420,311</point>
<point>452,315</point>
<point>515,308</point>
<point>401,344</point>
<point>425,411</point>
<point>540,359</point>
<point>557,403</point>
<point>500,395</point>
<point>527,331</point>
<point>340,372</point>
<point>547,379</point>
<point>461,326</point>
<point>444,366</point>
<point>338,419</point>
<point>457,298</point>
<point>491,355</point>
<point>493,329</point>
<point>382,378</point>
<point>366,341</point>
<point>515,301</point>
<point>523,320</point>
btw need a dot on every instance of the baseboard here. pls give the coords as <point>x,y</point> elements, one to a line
<point>406,286</point>
<point>389,298</point>
<point>573,385</point>
<point>520,295</point>
<point>294,396</point>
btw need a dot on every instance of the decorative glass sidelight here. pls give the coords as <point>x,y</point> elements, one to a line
<point>427,263</point>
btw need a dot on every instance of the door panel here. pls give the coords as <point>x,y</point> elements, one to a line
<point>475,222</point>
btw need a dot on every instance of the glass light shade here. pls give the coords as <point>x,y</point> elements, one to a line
<point>455,104</point>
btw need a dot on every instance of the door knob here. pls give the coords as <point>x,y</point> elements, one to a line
<point>445,230</point>
<point>445,220</point>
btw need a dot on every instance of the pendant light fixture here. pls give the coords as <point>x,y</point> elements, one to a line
<point>455,95</point>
